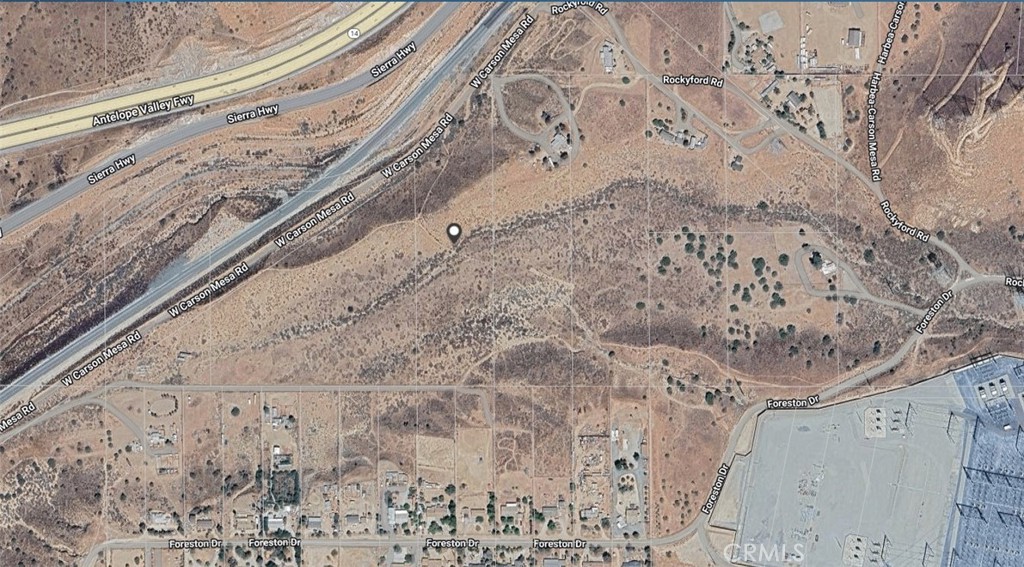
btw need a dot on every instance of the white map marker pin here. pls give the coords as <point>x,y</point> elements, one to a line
<point>454,232</point>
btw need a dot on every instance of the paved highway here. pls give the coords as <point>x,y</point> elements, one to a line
<point>205,89</point>
<point>321,186</point>
<point>197,269</point>
<point>174,137</point>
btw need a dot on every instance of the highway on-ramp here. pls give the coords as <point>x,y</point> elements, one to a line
<point>203,89</point>
<point>197,268</point>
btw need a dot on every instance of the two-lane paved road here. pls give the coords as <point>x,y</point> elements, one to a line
<point>197,269</point>
<point>179,135</point>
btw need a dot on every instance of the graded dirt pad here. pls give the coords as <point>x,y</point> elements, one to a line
<point>787,38</point>
<point>828,28</point>
<point>436,453</point>
<point>474,466</point>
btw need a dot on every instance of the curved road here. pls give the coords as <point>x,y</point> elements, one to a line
<point>181,133</point>
<point>860,292</point>
<point>699,526</point>
<point>543,139</point>
<point>198,268</point>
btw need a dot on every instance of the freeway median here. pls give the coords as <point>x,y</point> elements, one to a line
<point>199,270</point>
<point>197,92</point>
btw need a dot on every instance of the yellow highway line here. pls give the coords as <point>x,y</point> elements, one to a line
<point>205,89</point>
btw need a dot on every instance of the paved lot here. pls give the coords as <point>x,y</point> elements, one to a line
<point>855,483</point>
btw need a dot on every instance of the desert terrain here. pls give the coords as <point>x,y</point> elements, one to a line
<point>641,265</point>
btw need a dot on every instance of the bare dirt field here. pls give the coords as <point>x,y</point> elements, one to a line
<point>637,286</point>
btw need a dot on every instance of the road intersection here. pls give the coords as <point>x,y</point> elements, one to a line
<point>967,277</point>
<point>199,268</point>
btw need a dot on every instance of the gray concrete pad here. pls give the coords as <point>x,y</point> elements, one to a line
<point>866,482</point>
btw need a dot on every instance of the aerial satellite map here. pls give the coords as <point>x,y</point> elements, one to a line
<point>531,284</point>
